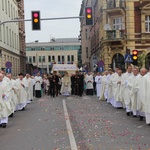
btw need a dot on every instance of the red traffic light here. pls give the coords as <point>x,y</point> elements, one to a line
<point>35,15</point>
<point>135,52</point>
<point>89,15</point>
<point>88,10</point>
<point>36,25</point>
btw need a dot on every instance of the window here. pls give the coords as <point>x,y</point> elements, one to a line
<point>30,59</point>
<point>9,8</point>
<point>53,58</point>
<point>49,58</point>
<point>117,23</point>
<point>10,37</point>
<point>2,4</point>
<point>63,59</point>
<point>86,34</point>
<point>32,49</point>
<point>6,5</point>
<point>11,12</point>
<point>147,24</point>
<point>43,59</point>
<point>59,59</point>
<point>87,52</point>
<point>33,59</point>
<point>72,58</point>
<point>39,58</point>
<point>68,58</point>
<point>4,32</point>
<point>7,35</point>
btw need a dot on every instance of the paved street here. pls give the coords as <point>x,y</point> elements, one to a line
<point>96,125</point>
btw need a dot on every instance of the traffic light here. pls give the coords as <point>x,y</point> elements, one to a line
<point>89,16</point>
<point>135,57</point>
<point>36,22</point>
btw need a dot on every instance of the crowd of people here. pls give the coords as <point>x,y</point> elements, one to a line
<point>127,90</point>
<point>15,94</point>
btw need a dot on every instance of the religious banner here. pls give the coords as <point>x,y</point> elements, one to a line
<point>65,67</point>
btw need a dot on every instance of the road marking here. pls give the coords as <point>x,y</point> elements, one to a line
<point>69,128</point>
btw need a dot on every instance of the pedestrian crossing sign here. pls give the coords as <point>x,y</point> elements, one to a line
<point>128,58</point>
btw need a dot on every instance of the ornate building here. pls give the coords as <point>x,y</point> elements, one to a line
<point>122,25</point>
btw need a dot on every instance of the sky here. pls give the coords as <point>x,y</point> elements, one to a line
<point>53,28</point>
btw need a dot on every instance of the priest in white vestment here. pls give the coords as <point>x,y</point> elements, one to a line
<point>13,95</point>
<point>145,96</point>
<point>112,88</point>
<point>125,89</point>
<point>140,102</point>
<point>116,80</point>
<point>108,88</point>
<point>89,84</point>
<point>29,88</point>
<point>98,80</point>
<point>38,82</point>
<point>22,93</point>
<point>66,85</point>
<point>103,86</point>
<point>133,92</point>
<point>5,107</point>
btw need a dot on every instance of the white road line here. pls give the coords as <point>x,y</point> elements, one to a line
<point>69,128</point>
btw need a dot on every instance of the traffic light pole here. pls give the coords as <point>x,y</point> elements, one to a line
<point>23,20</point>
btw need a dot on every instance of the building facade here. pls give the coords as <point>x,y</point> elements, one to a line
<point>10,43</point>
<point>22,36</point>
<point>123,25</point>
<point>59,51</point>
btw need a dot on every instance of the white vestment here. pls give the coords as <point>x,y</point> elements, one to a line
<point>22,93</point>
<point>13,96</point>
<point>145,96</point>
<point>66,85</point>
<point>109,89</point>
<point>89,81</point>
<point>117,91</point>
<point>5,106</point>
<point>98,85</point>
<point>125,90</point>
<point>106,86</point>
<point>38,81</point>
<point>140,102</point>
<point>103,87</point>
<point>29,89</point>
<point>132,94</point>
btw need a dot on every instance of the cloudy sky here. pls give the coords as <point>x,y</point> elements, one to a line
<point>55,28</point>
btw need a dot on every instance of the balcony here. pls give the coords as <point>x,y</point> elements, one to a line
<point>113,4</point>
<point>115,7</point>
<point>114,35</point>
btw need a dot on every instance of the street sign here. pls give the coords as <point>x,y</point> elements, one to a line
<point>8,70</point>
<point>8,64</point>
<point>128,58</point>
<point>100,63</point>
